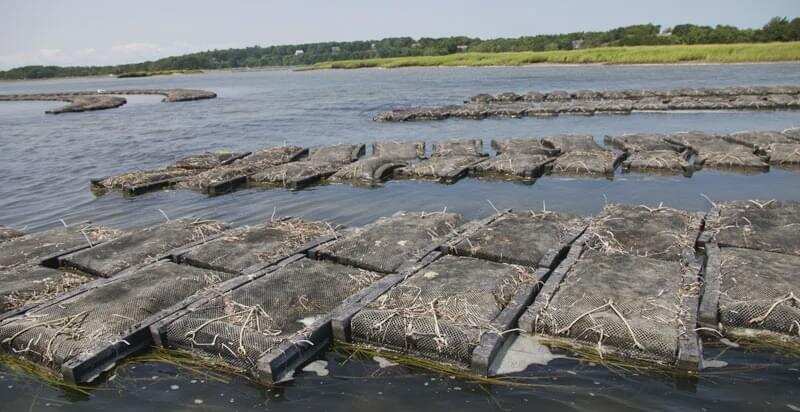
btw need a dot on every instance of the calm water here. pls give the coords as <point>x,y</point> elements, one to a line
<point>46,162</point>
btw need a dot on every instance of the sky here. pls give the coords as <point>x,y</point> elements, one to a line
<point>98,32</point>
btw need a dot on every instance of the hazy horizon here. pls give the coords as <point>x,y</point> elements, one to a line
<point>101,33</point>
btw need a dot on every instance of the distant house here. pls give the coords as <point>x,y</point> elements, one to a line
<point>666,33</point>
<point>299,52</point>
<point>462,47</point>
<point>372,46</point>
<point>416,44</point>
<point>335,49</point>
<point>577,44</point>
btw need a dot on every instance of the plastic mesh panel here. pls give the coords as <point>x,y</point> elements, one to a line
<point>645,292</point>
<point>91,320</point>
<point>784,154</point>
<point>247,322</point>
<point>640,142</point>
<point>141,178</point>
<point>6,233</point>
<point>758,140</point>
<point>141,246</point>
<point>523,146</point>
<point>37,246</point>
<point>440,167</point>
<point>296,173</point>
<point>759,290</point>
<point>441,311</point>
<point>521,238</point>
<point>339,154</point>
<point>585,163</point>
<point>205,161</point>
<point>399,150</point>
<point>657,232</point>
<point>517,165</point>
<point>771,226</point>
<point>458,147</point>
<point>390,242</point>
<point>370,169</point>
<point>659,161</point>
<point>256,162</point>
<point>246,247</point>
<point>29,284</point>
<point>571,142</point>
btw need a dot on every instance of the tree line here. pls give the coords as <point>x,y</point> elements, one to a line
<point>778,29</point>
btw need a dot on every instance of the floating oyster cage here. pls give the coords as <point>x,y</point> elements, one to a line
<point>752,253</point>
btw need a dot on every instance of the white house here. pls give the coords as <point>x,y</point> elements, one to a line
<point>299,52</point>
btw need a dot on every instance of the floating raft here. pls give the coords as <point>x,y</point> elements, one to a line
<point>588,102</point>
<point>267,298</point>
<point>628,289</point>
<point>523,160</point>
<point>89,101</point>
<point>753,252</point>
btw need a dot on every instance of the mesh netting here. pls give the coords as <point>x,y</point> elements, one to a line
<point>141,246</point>
<point>771,226</point>
<point>441,311</point>
<point>640,142</point>
<point>784,154</point>
<point>521,238</point>
<point>571,142</point>
<point>205,161</point>
<point>514,165</point>
<point>759,290</point>
<point>339,154</point>
<point>629,303</point>
<point>390,242</point>
<point>586,163</point>
<point>792,133</point>
<point>295,174</point>
<point>657,161</point>
<point>657,232</point>
<point>246,247</point>
<point>758,140</point>
<point>6,233</point>
<point>92,320</point>
<point>738,157</point>
<point>523,146</point>
<point>442,168</point>
<point>37,246</point>
<point>240,169</point>
<point>369,169</point>
<point>399,150</point>
<point>28,284</point>
<point>456,147</point>
<point>133,181</point>
<point>242,325</point>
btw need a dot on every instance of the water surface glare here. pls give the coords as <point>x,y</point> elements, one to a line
<point>46,162</point>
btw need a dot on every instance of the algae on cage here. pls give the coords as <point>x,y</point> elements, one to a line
<point>243,248</point>
<point>371,169</point>
<point>756,292</point>
<point>86,325</point>
<point>296,174</point>
<point>529,146</point>
<point>628,305</point>
<point>571,143</point>
<point>446,169</point>
<point>242,325</point>
<point>141,246</point>
<point>508,165</point>
<point>7,233</point>
<point>388,243</point>
<point>458,147</point>
<point>237,172</point>
<point>524,238</point>
<point>399,150</point>
<point>34,247</point>
<point>338,154</point>
<point>205,161</point>
<point>657,232</point>
<point>28,284</point>
<point>765,225</point>
<point>441,311</point>
<point>586,163</point>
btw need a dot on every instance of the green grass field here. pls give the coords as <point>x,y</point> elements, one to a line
<point>711,53</point>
